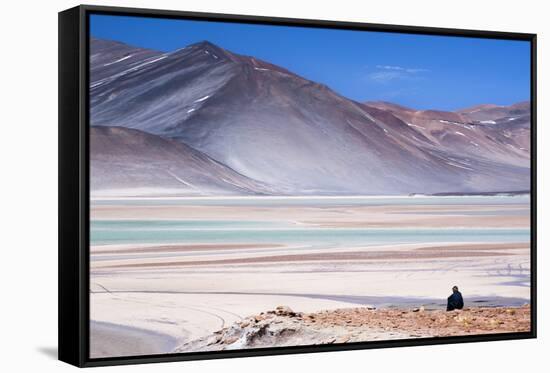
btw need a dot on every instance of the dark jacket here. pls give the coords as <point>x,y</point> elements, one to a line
<point>455,301</point>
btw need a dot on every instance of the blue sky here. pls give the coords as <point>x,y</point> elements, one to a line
<point>420,71</point>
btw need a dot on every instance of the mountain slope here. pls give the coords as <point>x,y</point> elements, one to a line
<point>125,160</point>
<point>493,112</point>
<point>295,135</point>
<point>110,58</point>
<point>499,137</point>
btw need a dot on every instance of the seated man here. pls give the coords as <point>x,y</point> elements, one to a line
<point>455,301</point>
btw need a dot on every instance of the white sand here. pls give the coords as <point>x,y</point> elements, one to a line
<point>186,301</point>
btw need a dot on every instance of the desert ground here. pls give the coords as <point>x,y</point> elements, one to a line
<point>154,290</point>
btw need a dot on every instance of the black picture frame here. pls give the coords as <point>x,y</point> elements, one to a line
<point>74,191</point>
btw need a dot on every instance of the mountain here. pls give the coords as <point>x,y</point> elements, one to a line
<point>489,113</point>
<point>485,131</point>
<point>513,122</point>
<point>128,161</point>
<point>110,58</point>
<point>294,136</point>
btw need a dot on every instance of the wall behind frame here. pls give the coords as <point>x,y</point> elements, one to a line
<point>28,152</point>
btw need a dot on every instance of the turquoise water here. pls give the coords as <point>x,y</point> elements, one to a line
<point>105,232</point>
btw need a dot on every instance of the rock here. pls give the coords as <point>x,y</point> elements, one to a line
<point>284,311</point>
<point>343,339</point>
<point>216,338</point>
<point>230,340</point>
<point>276,328</point>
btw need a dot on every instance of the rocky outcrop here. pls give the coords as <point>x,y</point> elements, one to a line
<point>285,327</point>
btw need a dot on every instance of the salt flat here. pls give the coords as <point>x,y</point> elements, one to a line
<point>154,269</point>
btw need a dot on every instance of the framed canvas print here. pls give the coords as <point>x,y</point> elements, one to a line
<point>234,186</point>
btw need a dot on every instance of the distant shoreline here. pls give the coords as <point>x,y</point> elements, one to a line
<point>474,194</point>
<point>303,197</point>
